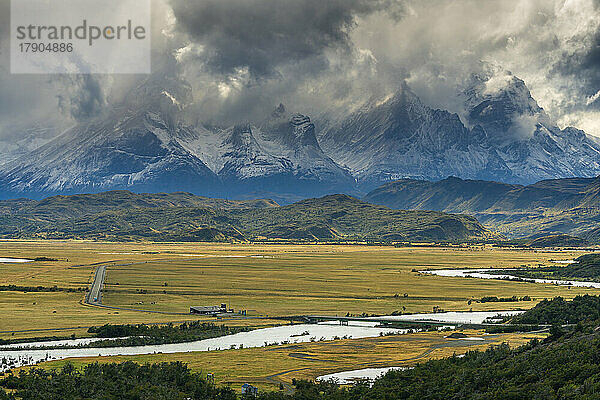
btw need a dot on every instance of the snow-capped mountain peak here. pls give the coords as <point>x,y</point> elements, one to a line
<point>147,143</point>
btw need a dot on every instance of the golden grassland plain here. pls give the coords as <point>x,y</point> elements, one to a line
<point>270,366</point>
<point>267,280</point>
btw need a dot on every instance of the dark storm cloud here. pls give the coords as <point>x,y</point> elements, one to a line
<point>84,99</point>
<point>55,100</point>
<point>264,34</point>
<point>591,62</point>
<point>592,59</point>
<point>244,57</point>
<point>583,66</point>
<point>547,43</point>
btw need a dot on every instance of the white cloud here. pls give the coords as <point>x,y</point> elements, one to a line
<point>593,98</point>
<point>440,43</point>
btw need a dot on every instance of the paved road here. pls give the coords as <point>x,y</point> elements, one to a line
<point>94,296</point>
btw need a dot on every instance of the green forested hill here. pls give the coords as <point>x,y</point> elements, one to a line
<point>560,240</point>
<point>183,217</point>
<point>560,311</point>
<point>341,216</point>
<point>586,267</point>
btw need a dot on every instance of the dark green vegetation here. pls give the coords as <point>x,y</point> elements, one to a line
<point>142,335</point>
<point>586,268</point>
<point>561,368</point>
<point>547,208</point>
<point>495,299</point>
<point>562,312</point>
<point>561,240</point>
<point>341,216</point>
<point>127,381</point>
<point>557,240</point>
<point>183,217</point>
<point>566,365</point>
<point>80,205</point>
<point>27,289</point>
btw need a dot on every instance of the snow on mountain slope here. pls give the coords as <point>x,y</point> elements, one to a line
<point>281,155</point>
<point>402,138</point>
<point>246,159</point>
<point>132,151</point>
<point>17,141</point>
<point>530,143</point>
<point>147,143</point>
<point>130,146</point>
<point>508,138</point>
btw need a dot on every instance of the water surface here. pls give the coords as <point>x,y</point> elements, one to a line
<point>14,260</point>
<point>349,377</point>
<point>287,334</point>
<point>488,273</point>
<point>451,317</point>
<point>256,338</point>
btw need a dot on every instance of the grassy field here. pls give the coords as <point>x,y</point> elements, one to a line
<point>266,280</point>
<point>289,280</point>
<point>268,367</point>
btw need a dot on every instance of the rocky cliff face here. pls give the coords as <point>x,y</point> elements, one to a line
<point>400,137</point>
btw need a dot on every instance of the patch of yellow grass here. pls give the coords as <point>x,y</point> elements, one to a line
<point>265,280</point>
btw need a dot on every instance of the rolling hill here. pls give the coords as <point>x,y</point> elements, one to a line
<point>123,215</point>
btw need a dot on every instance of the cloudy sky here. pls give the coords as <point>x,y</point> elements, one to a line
<point>243,57</point>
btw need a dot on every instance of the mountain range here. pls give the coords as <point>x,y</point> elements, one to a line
<point>150,143</point>
<point>503,136</point>
<point>550,207</point>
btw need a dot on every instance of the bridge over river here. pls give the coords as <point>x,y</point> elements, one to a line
<point>395,322</point>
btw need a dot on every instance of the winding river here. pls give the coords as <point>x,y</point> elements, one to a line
<point>26,354</point>
<point>490,274</point>
<point>256,338</point>
<point>349,377</point>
